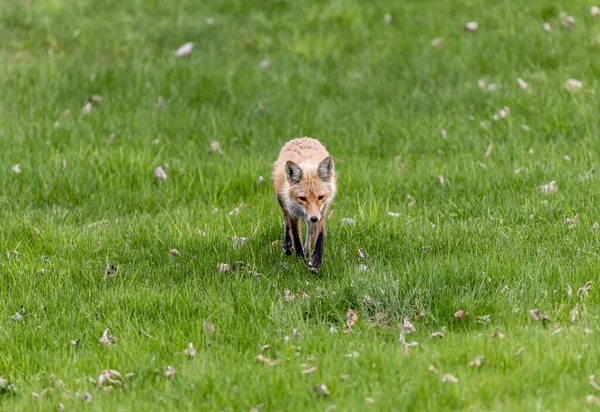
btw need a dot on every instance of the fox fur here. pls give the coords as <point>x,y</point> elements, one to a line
<point>305,185</point>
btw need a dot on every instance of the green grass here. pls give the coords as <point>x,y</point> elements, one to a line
<point>377,95</point>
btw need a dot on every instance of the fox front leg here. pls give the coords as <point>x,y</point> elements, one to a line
<point>296,228</point>
<point>287,235</point>
<point>316,258</point>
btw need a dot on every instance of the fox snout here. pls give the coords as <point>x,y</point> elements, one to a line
<point>314,219</point>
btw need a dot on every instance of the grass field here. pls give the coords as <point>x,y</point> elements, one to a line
<point>484,239</point>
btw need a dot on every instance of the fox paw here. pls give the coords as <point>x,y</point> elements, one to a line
<point>287,250</point>
<point>313,268</point>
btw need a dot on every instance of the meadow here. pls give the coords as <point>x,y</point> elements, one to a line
<point>463,236</point>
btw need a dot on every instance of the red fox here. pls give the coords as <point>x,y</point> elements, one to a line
<point>305,186</point>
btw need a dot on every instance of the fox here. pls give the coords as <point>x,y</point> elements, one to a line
<point>305,186</point>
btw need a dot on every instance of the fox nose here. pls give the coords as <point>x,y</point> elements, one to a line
<point>314,219</point>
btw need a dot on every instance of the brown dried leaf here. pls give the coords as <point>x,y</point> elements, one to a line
<point>461,314</point>
<point>498,335</point>
<point>321,389</point>
<point>351,318</point>
<point>169,372</point>
<point>309,370</point>
<point>261,358</point>
<point>407,326</point>
<point>488,151</point>
<point>449,378</point>
<point>190,351</point>
<point>111,271</point>
<point>209,328</point>
<point>160,174</point>
<point>174,252</point>
<point>436,335</point>
<point>538,315</point>
<point>185,50</point>
<point>477,361</point>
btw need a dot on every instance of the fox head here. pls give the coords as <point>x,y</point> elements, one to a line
<point>311,189</point>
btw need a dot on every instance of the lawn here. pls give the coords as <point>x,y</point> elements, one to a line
<point>444,204</point>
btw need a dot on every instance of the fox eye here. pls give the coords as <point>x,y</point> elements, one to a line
<point>302,198</point>
<point>321,197</point>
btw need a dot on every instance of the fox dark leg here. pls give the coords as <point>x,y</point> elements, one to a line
<point>317,255</point>
<point>287,234</point>
<point>296,229</point>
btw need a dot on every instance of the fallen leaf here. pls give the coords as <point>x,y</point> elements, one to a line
<point>160,174</point>
<point>265,64</point>
<point>547,27</point>
<point>587,331</point>
<point>538,315</point>
<point>107,339</point>
<point>261,358</point>
<point>111,271</point>
<point>488,151</point>
<point>75,342</point>
<point>569,291</point>
<point>518,352</point>
<point>223,267</point>
<point>309,370</point>
<point>583,291</point>
<point>185,50</point>
<point>441,180</point>
<point>387,19</point>
<point>321,389</point>
<point>190,351</point>
<point>595,11</point>
<point>61,407</point>
<point>477,361</point>
<point>436,335</point>
<point>574,315</point>
<point>393,214</point>
<point>432,369</point>
<point>16,168</point>
<point>567,21</point>
<point>471,26</point>
<point>169,372</point>
<point>354,354</point>
<point>260,180</point>
<point>461,314</point>
<point>287,295</point>
<point>174,252</point>
<point>208,327</point>
<point>572,221</point>
<point>347,220</point>
<point>351,319</point>
<point>265,347</point>
<point>407,326</point>
<point>370,400</point>
<point>17,316</point>
<point>573,85</point>
<point>549,188</point>
<point>87,108</point>
<point>592,400</point>
<point>449,378</point>
<point>210,21</point>
<point>595,226</point>
<point>110,377</point>
<point>523,84</point>
<point>498,335</point>
<point>95,99</point>
<point>437,41</point>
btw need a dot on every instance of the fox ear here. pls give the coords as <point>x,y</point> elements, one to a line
<point>325,169</point>
<point>293,173</point>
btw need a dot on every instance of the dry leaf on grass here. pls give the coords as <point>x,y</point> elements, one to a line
<point>107,339</point>
<point>488,151</point>
<point>435,335</point>
<point>437,41</point>
<point>169,372</point>
<point>595,11</point>
<point>174,252</point>
<point>449,378</point>
<point>160,174</point>
<point>547,27</point>
<point>573,85</point>
<point>347,220</point>
<point>461,314</point>
<point>190,351</point>
<point>471,26</point>
<point>351,319</point>
<point>549,188</point>
<point>208,327</point>
<point>572,221</point>
<point>261,358</point>
<point>523,84</point>
<point>87,108</point>
<point>321,389</point>
<point>354,354</point>
<point>592,400</point>
<point>477,361</point>
<point>592,382</point>
<point>387,19</point>
<point>16,168</point>
<point>407,326</point>
<point>574,315</point>
<point>538,315</point>
<point>75,342</point>
<point>519,352</point>
<point>498,335</point>
<point>432,369</point>
<point>265,64</point>
<point>393,214</point>
<point>309,370</point>
<point>110,377</point>
<point>111,271</point>
<point>583,291</point>
<point>185,50</point>
<point>223,267</point>
<point>87,397</point>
